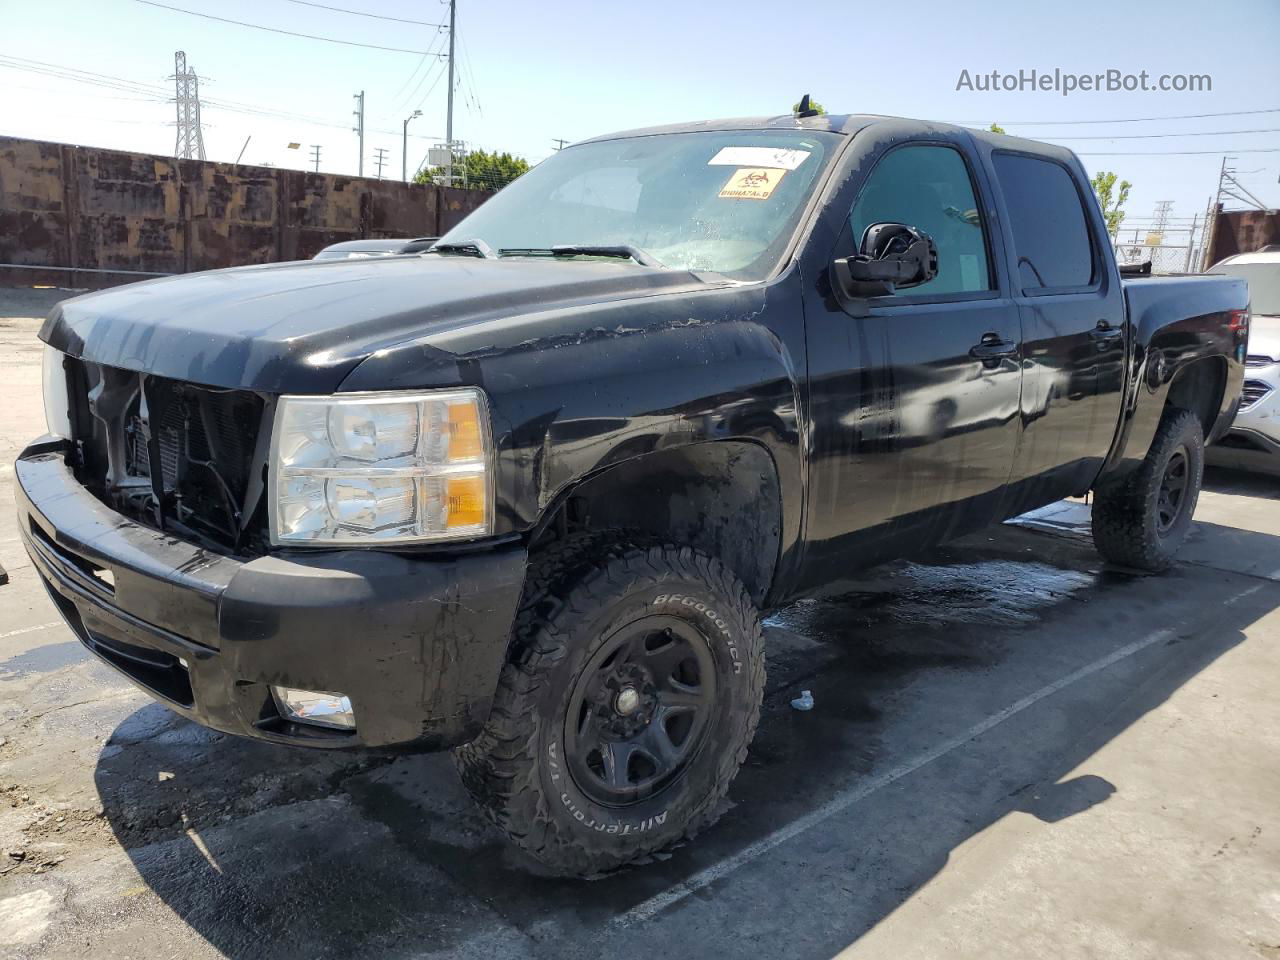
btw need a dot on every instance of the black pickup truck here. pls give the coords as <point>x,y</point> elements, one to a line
<point>526,495</point>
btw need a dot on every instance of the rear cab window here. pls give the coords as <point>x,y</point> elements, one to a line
<point>1051,239</point>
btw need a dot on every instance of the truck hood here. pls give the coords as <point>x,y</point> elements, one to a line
<point>302,327</point>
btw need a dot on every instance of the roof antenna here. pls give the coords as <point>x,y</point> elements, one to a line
<point>804,110</point>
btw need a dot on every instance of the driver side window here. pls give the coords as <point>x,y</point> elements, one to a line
<point>928,187</point>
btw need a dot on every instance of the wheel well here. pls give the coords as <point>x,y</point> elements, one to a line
<point>1198,387</point>
<point>720,497</point>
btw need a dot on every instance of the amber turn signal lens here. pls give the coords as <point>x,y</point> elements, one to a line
<point>465,442</point>
<point>466,501</point>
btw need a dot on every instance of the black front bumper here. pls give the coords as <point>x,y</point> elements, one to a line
<point>416,642</point>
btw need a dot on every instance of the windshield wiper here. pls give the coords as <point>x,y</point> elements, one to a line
<point>468,248</point>
<point>622,250</point>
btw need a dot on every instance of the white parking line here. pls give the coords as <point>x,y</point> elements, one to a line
<point>864,788</point>
<point>21,630</point>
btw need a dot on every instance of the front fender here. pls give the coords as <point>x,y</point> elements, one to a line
<point>574,391</point>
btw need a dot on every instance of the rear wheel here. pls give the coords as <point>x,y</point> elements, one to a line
<point>626,710</point>
<point>1141,520</point>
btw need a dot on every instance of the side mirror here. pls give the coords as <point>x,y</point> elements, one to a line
<point>892,256</point>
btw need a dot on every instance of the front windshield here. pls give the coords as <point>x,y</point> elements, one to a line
<point>726,202</point>
<point>1264,285</point>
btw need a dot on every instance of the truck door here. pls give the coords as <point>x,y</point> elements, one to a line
<point>1072,309</point>
<point>915,407</point>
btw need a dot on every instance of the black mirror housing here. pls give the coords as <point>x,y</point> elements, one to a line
<point>892,256</point>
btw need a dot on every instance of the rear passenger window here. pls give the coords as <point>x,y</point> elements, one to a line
<point>928,188</point>
<point>1050,232</point>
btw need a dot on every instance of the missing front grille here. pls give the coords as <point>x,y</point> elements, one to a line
<point>177,456</point>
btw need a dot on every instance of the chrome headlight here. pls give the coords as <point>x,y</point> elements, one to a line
<point>374,468</point>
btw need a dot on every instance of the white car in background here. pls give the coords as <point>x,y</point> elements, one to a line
<point>1253,442</point>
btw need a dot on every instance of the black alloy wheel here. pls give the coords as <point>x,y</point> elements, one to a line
<point>639,710</point>
<point>1173,488</point>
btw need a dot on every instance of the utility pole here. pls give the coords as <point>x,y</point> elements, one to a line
<point>1211,233</point>
<point>315,155</point>
<point>381,159</point>
<point>1204,236</point>
<point>1228,185</point>
<point>404,147</point>
<point>1191,241</point>
<point>448,127</point>
<point>190,141</point>
<point>358,112</point>
<point>559,142</point>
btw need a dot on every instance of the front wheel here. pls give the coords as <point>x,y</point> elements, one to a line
<point>1141,520</point>
<point>632,694</point>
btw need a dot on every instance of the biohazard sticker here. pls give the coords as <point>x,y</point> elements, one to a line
<point>752,183</point>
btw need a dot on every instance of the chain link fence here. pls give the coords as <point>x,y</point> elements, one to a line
<point>1171,250</point>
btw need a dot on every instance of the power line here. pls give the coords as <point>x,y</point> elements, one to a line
<point>361,13</point>
<point>289,33</point>
<point>414,73</point>
<point>470,76</point>
<point>82,93</point>
<point>70,73</point>
<point>1153,136</point>
<point>1176,153</point>
<point>431,89</point>
<point>130,86</point>
<point>1066,123</point>
<point>439,63</point>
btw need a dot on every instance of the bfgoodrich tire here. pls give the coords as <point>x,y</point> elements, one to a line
<point>632,694</point>
<point>1142,520</point>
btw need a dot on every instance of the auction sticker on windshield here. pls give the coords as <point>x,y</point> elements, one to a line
<point>752,183</point>
<point>781,158</point>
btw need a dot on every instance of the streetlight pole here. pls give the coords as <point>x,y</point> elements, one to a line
<point>404,147</point>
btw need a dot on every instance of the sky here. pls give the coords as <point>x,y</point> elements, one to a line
<point>529,73</point>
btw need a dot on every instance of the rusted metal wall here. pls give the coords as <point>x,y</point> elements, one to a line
<point>1243,231</point>
<point>82,207</point>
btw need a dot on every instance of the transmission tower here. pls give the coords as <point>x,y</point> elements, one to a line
<point>190,142</point>
<point>1159,221</point>
<point>1161,215</point>
<point>380,160</point>
<point>315,155</point>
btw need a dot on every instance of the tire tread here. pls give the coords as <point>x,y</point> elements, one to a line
<point>565,583</point>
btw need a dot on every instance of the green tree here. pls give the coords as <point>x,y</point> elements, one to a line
<point>996,128</point>
<point>478,170</point>
<point>813,105</point>
<point>1111,197</point>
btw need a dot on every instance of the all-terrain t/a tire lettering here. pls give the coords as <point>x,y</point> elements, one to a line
<point>627,706</point>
